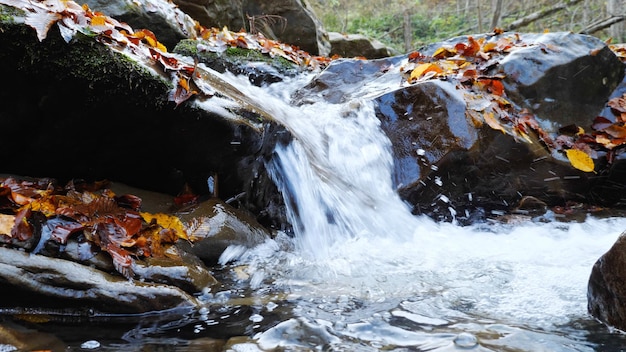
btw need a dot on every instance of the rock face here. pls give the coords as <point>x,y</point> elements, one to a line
<point>289,21</point>
<point>606,292</point>
<point>354,45</point>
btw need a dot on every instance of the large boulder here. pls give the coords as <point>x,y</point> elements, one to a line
<point>289,21</point>
<point>357,45</point>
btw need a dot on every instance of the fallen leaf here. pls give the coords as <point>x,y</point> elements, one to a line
<point>422,69</point>
<point>6,224</point>
<point>580,160</point>
<point>167,222</point>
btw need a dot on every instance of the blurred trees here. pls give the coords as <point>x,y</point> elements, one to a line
<point>406,25</point>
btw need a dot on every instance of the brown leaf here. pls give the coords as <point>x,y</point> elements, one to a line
<point>616,131</point>
<point>600,123</point>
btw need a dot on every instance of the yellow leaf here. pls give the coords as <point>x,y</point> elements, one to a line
<point>422,69</point>
<point>98,20</point>
<point>580,160</point>
<point>161,47</point>
<point>151,41</point>
<point>166,221</point>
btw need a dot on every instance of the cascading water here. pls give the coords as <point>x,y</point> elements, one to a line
<point>366,274</point>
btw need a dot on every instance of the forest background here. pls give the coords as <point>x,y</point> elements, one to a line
<point>406,25</point>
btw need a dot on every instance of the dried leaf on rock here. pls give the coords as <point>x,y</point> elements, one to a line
<point>580,160</point>
<point>600,123</point>
<point>491,120</point>
<point>423,69</point>
<point>618,106</point>
<point>168,222</point>
<point>6,224</point>
<point>616,131</point>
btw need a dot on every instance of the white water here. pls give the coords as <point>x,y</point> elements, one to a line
<point>359,259</point>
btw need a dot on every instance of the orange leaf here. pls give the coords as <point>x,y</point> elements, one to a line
<point>616,131</point>
<point>98,21</point>
<point>442,53</point>
<point>422,69</point>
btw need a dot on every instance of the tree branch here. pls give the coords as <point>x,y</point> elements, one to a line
<point>526,20</point>
<point>602,24</point>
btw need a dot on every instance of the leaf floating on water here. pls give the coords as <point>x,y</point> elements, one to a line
<point>580,160</point>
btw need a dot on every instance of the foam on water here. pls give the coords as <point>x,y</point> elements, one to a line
<point>355,238</point>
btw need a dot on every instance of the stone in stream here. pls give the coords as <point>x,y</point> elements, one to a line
<point>606,290</point>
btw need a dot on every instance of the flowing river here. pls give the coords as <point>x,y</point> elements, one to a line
<point>361,273</point>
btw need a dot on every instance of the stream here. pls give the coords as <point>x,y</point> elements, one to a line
<point>361,273</point>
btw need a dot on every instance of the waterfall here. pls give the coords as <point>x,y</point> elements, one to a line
<point>336,173</point>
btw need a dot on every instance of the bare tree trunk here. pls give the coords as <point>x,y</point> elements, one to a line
<point>480,17</point>
<point>602,24</point>
<point>496,13</point>
<point>408,33</point>
<point>524,21</point>
<point>615,9</point>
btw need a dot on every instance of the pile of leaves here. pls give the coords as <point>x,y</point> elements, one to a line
<point>36,214</point>
<point>469,63</point>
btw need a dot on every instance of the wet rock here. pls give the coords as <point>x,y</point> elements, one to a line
<point>606,290</point>
<point>260,69</point>
<point>162,147</point>
<point>562,77</point>
<point>216,226</point>
<point>39,281</point>
<point>14,337</point>
<point>163,18</point>
<point>178,268</point>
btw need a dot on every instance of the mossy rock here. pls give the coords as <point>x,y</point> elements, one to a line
<point>260,68</point>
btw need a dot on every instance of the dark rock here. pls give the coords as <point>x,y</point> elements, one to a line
<point>163,18</point>
<point>289,21</point>
<point>260,69</point>
<point>606,291</point>
<point>25,339</point>
<point>75,106</point>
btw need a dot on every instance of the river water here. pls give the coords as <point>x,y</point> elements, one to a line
<point>362,274</point>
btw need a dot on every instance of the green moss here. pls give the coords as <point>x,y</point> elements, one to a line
<point>9,13</point>
<point>189,47</point>
<point>82,63</point>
